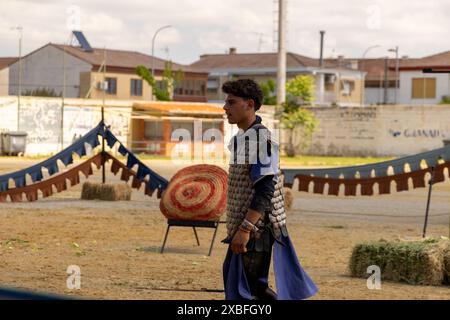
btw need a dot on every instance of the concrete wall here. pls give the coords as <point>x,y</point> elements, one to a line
<point>44,69</point>
<point>442,87</point>
<point>380,130</point>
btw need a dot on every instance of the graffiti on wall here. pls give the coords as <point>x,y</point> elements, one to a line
<point>358,114</point>
<point>41,119</point>
<point>417,133</point>
<point>79,120</point>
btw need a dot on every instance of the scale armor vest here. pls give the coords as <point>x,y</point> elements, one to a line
<point>240,195</point>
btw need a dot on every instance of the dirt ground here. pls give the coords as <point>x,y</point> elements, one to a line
<point>116,244</point>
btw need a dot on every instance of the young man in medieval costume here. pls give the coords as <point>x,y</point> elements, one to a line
<point>256,218</point>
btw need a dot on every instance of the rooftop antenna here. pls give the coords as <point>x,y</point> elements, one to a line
<point>261,37</point>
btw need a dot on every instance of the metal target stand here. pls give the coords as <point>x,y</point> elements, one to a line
<point>214,224</point>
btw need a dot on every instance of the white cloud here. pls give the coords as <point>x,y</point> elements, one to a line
<point>209,26</point>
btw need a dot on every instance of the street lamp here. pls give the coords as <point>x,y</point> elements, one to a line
<point>364,79</point>
<point>153,46</point>
<point>20,29</point>
<point>396,71</point>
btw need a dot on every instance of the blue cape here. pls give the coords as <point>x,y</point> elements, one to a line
<point>292,282</point>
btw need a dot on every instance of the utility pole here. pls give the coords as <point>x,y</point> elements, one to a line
<point>321,76</point>
<point>363,86</point>
<point>20,29</point>
<point>153,47</point>
<point>63,96</point>
<point>281,69</point>
<point>103,115</point>
<point>385,97</point>
<point>397,80</point>
<point>322,34</point>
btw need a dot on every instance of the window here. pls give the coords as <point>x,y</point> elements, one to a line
<point>179,87</point>
<point>197,87</point>
<point>210,125</point>
<point>161,85</point>
<point>153,130</point>
<point>112,85</point>
<point>423,88</point>
<point>330,79</point>
<point>202,88</point>
<point>136,87</point>
<point>347,87</point>
<point>188,125</point>
<point>186,84</point>
<point>191,84</point>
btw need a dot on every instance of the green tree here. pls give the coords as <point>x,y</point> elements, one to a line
<point>299,121</point>
<point>301,89</point>
<point>269,92</point>
<point>169,80</point>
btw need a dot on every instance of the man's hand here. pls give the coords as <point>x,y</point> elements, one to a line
<point>239,242</point>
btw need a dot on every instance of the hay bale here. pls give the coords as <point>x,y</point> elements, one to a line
<point>90,191</point>
<point>413,262</point>
<point>447,262</point>
<point>106,191</point>
<point>288,198</point>
<point>115,192</point>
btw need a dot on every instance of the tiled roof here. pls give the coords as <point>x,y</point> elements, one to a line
<point>251,60</point>
<point>122,58</point>
<point>6,61</point>
<point>374,67</point>
<point>436,60</point>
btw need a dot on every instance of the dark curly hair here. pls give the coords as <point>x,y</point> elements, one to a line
<point>246,89</point>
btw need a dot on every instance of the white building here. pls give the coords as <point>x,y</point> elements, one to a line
<point>414,86</point>
<point>423,88</point>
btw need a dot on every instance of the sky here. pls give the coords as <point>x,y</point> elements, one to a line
<point>417,27</point>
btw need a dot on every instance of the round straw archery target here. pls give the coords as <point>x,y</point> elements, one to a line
<point>196,193</point>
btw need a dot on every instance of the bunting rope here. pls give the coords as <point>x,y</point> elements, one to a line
<point>72,175</point>
<point>65,156</point>
<point>144,174</point>
<point>368,175</point>
<point>59,181</point>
